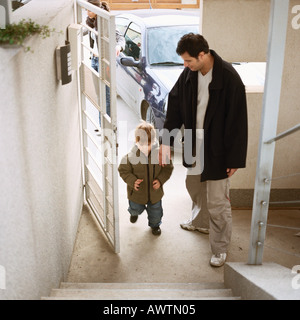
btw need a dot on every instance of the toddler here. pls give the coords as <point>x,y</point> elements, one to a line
<point>145,177</point>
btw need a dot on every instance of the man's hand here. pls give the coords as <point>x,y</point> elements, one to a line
<point>230,172</point>
<point>137,184</point>
<point>164,155</point>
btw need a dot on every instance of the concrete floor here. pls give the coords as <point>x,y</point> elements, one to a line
<point>176,255</point>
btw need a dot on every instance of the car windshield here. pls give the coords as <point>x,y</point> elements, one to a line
<point>162,44</point>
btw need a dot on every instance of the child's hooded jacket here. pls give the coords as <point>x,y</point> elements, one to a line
<point>136,165</point>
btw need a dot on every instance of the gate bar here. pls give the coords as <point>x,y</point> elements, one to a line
<point>284,134</point>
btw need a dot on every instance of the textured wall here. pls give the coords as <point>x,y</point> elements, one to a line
<point>41,186</point>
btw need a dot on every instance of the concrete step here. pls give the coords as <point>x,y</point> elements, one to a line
<point>146,285</point>
<point>141,291</point>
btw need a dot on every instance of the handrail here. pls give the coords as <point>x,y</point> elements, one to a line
<point>276,50</point>
<point>284,134</point>
<point>284,202</point>
<point>153,4</point>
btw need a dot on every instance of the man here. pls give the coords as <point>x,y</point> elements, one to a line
<point>208,95</point>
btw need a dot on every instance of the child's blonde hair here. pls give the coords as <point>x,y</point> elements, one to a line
<point>145,133</point>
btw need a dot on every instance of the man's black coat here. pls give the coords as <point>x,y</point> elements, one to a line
<point>225,123</point>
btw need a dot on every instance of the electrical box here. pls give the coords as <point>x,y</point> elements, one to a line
<point>74,37</point>
<point>63,63</point>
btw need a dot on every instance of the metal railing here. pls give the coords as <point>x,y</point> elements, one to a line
<point>153,4</point>
<point>268,137</point>
<point>261,207</point>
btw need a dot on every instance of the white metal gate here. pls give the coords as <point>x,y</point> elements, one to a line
<point>99,126</point>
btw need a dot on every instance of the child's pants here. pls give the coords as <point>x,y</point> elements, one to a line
<point>154,210</point>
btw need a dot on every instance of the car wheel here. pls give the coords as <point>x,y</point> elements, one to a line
<point>149,117</point>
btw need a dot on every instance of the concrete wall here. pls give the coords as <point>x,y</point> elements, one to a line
<point>287,155</point>
<point>41,192</point>
<point>238,31</point>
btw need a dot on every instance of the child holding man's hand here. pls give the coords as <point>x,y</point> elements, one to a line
<point>145,177</point>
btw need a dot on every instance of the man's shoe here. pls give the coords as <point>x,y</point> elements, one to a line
<point>217,260</point>
<point>187,225</point>
<point>133,218</point>
<point>156,231</point>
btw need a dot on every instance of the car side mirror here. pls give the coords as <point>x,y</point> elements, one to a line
<point>130,62</point>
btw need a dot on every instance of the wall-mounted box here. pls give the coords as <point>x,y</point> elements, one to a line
<point>63,63</point>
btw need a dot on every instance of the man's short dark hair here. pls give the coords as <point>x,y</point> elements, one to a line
<point>193,44</point>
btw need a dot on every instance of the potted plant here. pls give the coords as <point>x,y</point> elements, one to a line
<point>15,34</point>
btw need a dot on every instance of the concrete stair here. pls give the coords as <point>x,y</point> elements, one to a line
<point>141,291</point>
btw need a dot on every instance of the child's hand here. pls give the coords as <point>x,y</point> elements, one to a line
<point>156,184</point>
<point>137,184</point>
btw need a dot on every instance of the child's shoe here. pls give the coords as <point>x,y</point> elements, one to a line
<point>133,218</point>
<point>156,231</point>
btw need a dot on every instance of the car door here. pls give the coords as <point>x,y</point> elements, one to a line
<point>129,79</point>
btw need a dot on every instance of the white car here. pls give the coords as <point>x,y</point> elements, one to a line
<point>149,66</point>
